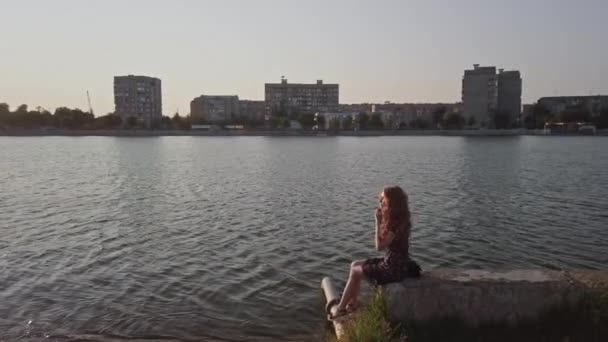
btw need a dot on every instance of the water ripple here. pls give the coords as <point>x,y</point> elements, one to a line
<point>227,238</point>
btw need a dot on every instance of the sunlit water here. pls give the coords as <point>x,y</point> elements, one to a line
<point>228,238</point>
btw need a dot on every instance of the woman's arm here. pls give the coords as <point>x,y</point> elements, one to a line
<point>382,241</point>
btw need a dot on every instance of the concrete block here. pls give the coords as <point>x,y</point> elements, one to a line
<point>478,296</point>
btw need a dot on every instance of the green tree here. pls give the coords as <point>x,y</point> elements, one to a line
<point>363,120</point>
<point>165,122</point>
<point>375,121</point>
<point>21,110</point>
<point>181,123</point>
<point>279,122</point>
<point>390,122</point>
<point>156,124</point>
<point>252,122</point>
<point>347,123</point>
<point>5,109</point>
<point>601,121</point>
<point>438,115</point>
<point>419,123</point>
<point>36,119</point>
<point>471,121</point>
<point>320,121</point>
<point>132,122</point>
<point>502,120</point>
<point>307,120</point>
<point>109,121</point>
<point>72,118</point>
<point>334,123</point>
<point>540,115</point>
<point>453,121</point>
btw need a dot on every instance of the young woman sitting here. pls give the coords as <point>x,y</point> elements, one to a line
<point>393,226</point>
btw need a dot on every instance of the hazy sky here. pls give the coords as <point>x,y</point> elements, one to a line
<point>52,52</point>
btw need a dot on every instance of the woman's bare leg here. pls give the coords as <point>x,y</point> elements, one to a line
<point>351,290</point>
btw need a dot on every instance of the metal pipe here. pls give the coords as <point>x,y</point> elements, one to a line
<point>333,298</point>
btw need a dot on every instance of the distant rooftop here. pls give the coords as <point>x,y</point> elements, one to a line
<point>480,70</point>
<point>137,76</point>
<point>285,83</point>
<point>603,97</point>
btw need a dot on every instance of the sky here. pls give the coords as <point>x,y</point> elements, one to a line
<point>52,52</point>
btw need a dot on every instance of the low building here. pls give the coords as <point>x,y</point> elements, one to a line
<point>402,114</point>
<point>355,108</point>
<point>214,108</point>
<point>252,110</point>
<point>527,111</point>
<point>594,104</point>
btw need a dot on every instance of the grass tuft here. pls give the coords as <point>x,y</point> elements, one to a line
<point>370,323</point>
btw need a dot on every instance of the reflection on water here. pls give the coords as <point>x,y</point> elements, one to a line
<point>228,238</point>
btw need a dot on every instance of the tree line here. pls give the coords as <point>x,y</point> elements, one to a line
<point>76,119</point>
<point>441,118</point>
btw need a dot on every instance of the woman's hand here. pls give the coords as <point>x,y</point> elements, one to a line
<point>378,215</point>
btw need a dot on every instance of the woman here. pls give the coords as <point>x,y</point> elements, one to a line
<point>393,227</point>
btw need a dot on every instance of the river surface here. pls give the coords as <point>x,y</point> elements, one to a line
<point>228,237</point>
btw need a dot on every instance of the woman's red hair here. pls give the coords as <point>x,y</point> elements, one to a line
<point>395,211</point>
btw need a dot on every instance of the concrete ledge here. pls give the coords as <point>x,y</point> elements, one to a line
<point>477,296</point>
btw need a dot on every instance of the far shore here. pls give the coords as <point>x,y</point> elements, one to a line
<point>279,133</point>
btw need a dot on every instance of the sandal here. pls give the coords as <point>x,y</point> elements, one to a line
<point>339,313</point>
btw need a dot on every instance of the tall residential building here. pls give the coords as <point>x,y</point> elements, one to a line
<point>253,110</point>
<point>214,108</point>
<point>139,97</point>
<point>293,98</point>
<point>479,94</point>
<point>509,94</point>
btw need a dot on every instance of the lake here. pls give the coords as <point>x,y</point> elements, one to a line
<point>228,237</point>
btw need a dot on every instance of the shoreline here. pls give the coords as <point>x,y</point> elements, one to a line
<point>283,133</point>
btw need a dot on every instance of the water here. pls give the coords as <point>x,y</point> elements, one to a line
<point>228,238</point>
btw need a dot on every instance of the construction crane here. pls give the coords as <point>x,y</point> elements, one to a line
<point>89,101</point>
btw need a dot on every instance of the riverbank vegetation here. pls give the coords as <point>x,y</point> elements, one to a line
<point>75,119</point>
<point>25,118</point>
<point>586,321</point>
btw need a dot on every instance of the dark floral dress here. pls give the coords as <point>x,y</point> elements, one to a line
<point>396,265</point>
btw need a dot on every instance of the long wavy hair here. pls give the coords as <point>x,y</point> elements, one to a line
<point>395,211</point>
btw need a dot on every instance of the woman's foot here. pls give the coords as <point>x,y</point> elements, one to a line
<point>352,307</point>
<point>336,313</point>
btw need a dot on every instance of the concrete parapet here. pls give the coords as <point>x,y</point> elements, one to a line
<point>477,296</point>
